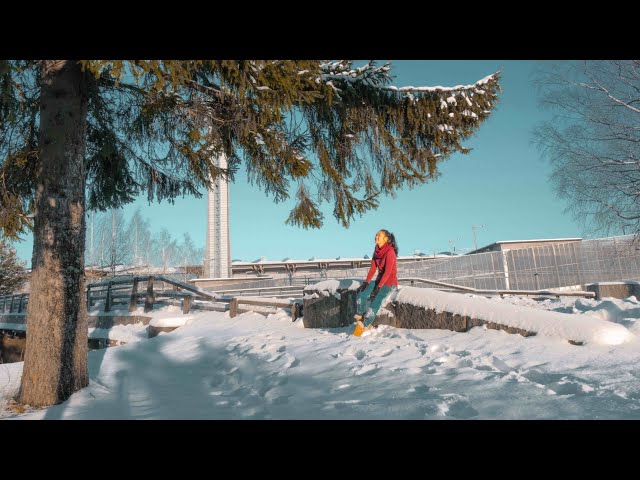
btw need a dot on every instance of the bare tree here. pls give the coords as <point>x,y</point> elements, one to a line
<point>90,247</point>
<point>113,245</point>
<point>148,248</point>
<point>137,234</point>
<point>102,229</point>
<point>165,248</point>
<point>593,140</point>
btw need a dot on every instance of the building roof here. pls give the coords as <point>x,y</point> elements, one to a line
<point>264,261</point>
<point>533,240</point>
<point>540,240</point>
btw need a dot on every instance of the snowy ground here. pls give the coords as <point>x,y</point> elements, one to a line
<point>253,367</point>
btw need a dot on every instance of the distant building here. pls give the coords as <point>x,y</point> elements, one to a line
<point>505,245</point>
<point>217,261</point>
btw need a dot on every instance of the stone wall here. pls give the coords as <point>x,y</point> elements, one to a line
<point>614,289</point>
<point>329,310</point>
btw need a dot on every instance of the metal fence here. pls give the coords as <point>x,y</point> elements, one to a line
<point>559,265</point>
<point>547,266</point>
<point>533,268</point>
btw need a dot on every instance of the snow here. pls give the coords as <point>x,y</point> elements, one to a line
<point>445,127</point>
<point>122,333</point>
<point>172,316</point>
<point>585,328</point>
<point>439,88</point>
<point>257,367</point>
<point>332,286</point>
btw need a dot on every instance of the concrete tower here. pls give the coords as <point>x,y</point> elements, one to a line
<point>217,261</point>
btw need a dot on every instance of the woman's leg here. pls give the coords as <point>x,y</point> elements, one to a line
<point>376,304</point>
<point>363,298</point>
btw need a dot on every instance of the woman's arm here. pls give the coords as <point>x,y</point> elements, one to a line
<point>372,271</point>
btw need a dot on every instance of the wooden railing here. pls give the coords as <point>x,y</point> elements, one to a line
<point>109,287</point>
<point>296,307</point>
<point>17,301</point>
<point>288,290</point>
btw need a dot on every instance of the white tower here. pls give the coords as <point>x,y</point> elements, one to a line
<point>217,261</point>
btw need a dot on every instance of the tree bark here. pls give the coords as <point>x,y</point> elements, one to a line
<point>56,352</point>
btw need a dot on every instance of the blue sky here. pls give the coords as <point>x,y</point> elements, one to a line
<point>503,183</point>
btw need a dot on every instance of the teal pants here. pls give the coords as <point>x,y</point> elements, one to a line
<point>369,310</point>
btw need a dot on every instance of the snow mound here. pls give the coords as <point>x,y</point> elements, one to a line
<point>583,328</point>
<point>331,286</point>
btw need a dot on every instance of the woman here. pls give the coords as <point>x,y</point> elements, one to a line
<point>384,260</point>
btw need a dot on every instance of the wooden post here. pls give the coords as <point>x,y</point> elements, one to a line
<point>134,295</point>
<point>11,307</point>
<point>109,300</point>
<point>186,304</point>
<point>296,311</point>
<point>149,300</point>
<point>233,307</point>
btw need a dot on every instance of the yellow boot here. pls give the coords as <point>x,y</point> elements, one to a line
<point>359,329</point>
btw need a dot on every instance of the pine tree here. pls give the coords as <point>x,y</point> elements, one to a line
<point>13,274</point>
<point>116,129</point>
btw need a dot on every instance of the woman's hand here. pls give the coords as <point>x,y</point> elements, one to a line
<point>362,287</point>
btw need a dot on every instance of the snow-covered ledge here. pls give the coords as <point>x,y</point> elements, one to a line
<point>333,302</point>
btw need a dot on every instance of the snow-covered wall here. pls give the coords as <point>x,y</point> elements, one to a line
<point>585,329</point>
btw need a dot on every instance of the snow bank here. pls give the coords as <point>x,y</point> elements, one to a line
<point>257,367</point>
<point>172,316</point>
<point>585,328</point>
<point>121,333</point>
<point>332,286</point>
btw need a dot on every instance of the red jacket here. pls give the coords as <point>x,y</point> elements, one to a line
<point>384,260</point>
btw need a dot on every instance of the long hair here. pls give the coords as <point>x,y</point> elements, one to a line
<point>392,240</point>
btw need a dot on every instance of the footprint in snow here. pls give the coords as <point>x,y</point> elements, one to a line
<point>456,406</point>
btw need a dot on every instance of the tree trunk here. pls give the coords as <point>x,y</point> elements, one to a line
<point>55,363</point>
